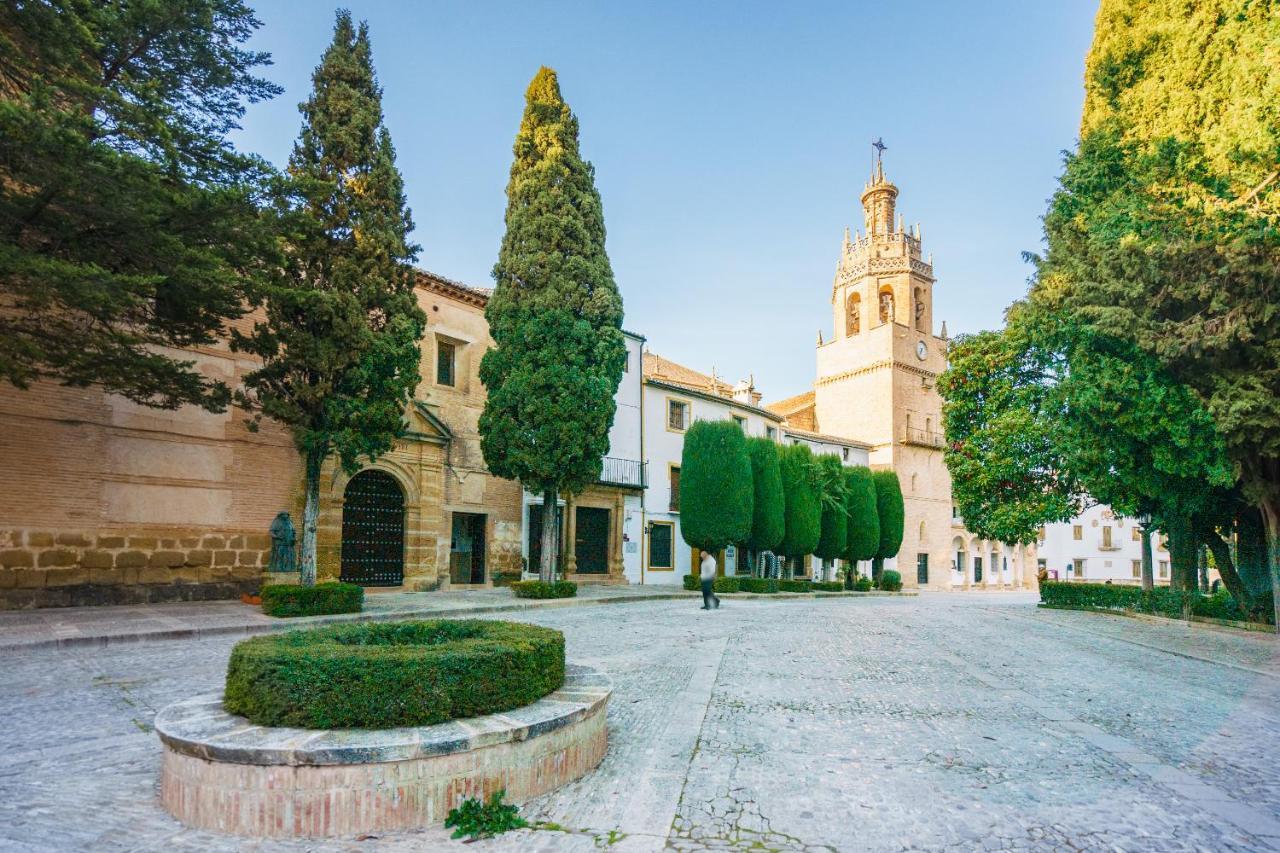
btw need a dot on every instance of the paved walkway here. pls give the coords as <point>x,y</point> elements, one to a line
<point>943,722</point>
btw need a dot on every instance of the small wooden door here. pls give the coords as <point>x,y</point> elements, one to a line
<point>591,540</point>
<point>695,562</point>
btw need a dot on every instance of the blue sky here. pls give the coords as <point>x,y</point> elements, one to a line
<point>730,142</point>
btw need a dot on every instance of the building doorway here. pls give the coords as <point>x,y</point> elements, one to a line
<point>373,530</point>
<point>695,562</point>
<point>591,540</point>
<point>922,569</point>
<point>977,570</point>
<point>466,548</point>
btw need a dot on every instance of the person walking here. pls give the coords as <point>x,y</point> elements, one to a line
<point>707,573</point>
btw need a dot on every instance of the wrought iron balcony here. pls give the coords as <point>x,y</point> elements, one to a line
<point>625,473</point>
<point>924,438</point>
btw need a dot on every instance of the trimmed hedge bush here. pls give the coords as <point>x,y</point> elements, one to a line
<point>379,675</point>
<point>862,584</point>
<point>319,600</point>
<point>543,589</point>
<point>758,585</point>
<point>1161,601</point>
<point>785,585</point>
<point>721,585</point>
<point>891,581</point>
<point>827,586</point>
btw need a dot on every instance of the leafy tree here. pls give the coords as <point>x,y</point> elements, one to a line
<point>1164,231</point>
<point>802,501</point>
<point>833,537</point>
<point>768,510</point>
<point>555,317</point>
<point>864,518</point>
<point>129,226</point>
<point>716,492</point>
<point>891,512</point>
<point>340,341</point>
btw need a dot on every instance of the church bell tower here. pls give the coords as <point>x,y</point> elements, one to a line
<point>877,374</point>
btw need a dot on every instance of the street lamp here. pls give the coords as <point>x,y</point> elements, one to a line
<point>1144,520</point>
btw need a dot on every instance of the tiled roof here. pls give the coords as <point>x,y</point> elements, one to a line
<point>791,404</point>
<point>657,367</point>
<point>449,287</point>
<point>819,436</point>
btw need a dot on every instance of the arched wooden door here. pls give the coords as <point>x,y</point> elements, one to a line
<point>373,530</point>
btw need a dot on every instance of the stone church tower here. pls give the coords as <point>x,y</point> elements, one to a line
<point>877,376</point>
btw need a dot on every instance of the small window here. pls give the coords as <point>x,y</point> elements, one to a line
<point>1077,532</point>
<point>1106,536</point>
<point>1164,569</point>
<point>771,432</point>
<point>626,365</point>
<point>1137,534</point>
<point>1040,534</point>
<point>741,422</point>
<point>660,545</point>
<point>1137,568</point>
<point>677,415</point>
<point>674,474</point>
<point>1078,565</point>
<point>446,355</point>
<point>844,452</point>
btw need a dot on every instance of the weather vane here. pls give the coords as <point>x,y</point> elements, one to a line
<point>880,147</point>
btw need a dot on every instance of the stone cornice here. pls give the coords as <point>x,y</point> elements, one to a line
<point>878,365</point>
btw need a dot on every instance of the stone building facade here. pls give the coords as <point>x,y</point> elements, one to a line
<point>877,383</point>
<point>106,501</point>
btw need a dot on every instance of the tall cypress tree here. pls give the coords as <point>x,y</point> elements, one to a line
<point>555,317</point>
<point>864,518</point>
<point>768,513</point>
<point>803,501</point>
<point>340,342</point>
<point>892,515</point>
<point>716,492</point>
<point>834,531</point>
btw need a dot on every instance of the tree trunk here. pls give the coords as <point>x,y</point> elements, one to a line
<point>1182,553</point>
<point>1271,517</point>
<point>1251,550</point>
<point>1227,569</point>
<point>1148,577</point>
<point>310,517</point>
<point>877,569</point>
<point>550,529</point>
<point>1202,567</point>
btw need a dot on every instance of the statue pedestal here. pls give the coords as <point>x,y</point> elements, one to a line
<point>270,578</point>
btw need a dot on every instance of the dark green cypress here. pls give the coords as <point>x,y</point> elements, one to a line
<point>340,343</point>
<point>803,503</point>
<point>768,512</point>
<point>864,516</point>
<point>834,527</point>
<point>891,512</point>
<point>716,492</point>
<point>555,317</point>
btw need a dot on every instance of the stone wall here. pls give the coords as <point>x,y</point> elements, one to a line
<point>62,568</point>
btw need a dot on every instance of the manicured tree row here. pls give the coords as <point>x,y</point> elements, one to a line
<point>833,539</point>
<point>802,501</point>
<point>768,514</point>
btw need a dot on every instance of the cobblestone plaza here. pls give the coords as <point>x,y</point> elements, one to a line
<point>877,724</point>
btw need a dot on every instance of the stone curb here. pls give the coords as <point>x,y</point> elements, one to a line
<point>1251,627</point>
<point>255,628</point>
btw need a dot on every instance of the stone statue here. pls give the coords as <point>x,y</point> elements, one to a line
<point>283,539</point>
<point>854,323</point>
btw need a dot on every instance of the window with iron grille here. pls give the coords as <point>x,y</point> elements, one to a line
<point>677,415</point>
<point>660,545</point>
<point>674,474</point>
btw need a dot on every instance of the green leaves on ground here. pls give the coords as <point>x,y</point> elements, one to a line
<point>476,819</point>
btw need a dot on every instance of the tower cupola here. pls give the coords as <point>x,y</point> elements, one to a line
<point>878,199</point>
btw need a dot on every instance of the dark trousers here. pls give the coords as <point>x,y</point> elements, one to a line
<point>709,598</point>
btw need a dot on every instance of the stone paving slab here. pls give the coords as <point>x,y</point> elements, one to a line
<point>948,723</point>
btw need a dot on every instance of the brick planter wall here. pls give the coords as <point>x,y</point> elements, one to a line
<point>218,773</point>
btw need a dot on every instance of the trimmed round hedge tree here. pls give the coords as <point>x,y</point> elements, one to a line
<point>391,674</point>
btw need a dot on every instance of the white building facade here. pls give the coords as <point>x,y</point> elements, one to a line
<point>1100,546</point>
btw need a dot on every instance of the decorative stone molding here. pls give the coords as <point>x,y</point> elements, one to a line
<point>220,772</point>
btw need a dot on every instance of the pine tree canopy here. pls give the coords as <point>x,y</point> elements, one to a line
<point>129,222</point>
<point>340,343</point>
<point>555,315</point>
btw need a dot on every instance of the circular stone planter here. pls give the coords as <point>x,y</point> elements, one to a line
<point>223,773</point>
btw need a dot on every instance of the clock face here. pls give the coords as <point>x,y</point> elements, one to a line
<point>922,351</point>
